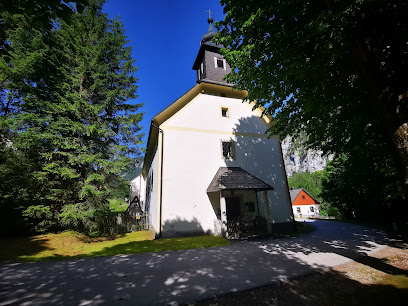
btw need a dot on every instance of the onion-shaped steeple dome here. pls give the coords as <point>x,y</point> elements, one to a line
<point>211,32</point>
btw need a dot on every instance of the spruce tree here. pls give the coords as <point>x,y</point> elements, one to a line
<point>76,116</point>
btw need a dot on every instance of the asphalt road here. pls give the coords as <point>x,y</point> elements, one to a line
<point>185,276</point>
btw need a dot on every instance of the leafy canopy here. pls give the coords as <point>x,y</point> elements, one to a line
<point>304,62</point>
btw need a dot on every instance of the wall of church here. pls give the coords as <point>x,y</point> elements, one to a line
<point>192,150</point>
<point>151,192</point>
<point>138,188</point>
<point>204,112</point>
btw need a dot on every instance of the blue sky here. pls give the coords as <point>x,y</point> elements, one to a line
<point>165,36</point>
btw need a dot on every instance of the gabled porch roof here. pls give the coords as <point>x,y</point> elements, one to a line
<point>236,178</point>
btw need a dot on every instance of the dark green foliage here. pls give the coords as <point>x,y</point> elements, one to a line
<point>363,186</point>
<point>119,188</point>
<point>64,109</point>
<point>334,70</point>
<point>37,14</point>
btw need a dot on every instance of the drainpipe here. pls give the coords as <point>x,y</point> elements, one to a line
<point>161,179</point>
<point>257,203</point>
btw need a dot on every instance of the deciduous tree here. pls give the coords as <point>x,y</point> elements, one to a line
<point>333,69</point>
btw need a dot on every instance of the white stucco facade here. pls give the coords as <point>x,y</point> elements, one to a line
<point>138,188</point>
<point>306,211</point>
<point>190,144</point>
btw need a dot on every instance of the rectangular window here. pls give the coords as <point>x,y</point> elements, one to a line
<point>227,148</point>
<point>220,63</point>
<point>311,209</point>
<point>298,210</point>
<point>250,206</point>
<point>224,112</point>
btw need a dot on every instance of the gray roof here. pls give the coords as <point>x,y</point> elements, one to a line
<point>295,192</point>
<point>236,178</point>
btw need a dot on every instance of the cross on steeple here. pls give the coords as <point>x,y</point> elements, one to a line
<point>210,20</point>
<point>209,13</point>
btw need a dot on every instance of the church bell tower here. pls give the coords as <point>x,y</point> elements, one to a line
<point>210,65</point>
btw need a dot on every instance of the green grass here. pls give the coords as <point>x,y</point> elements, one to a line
<point>74,245</point>
<point>117,206</point>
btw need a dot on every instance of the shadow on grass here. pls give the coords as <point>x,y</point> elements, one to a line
<point>26,250</point>
<point>14,247</point>
<point>325,288</point>
<point>380,265</point>
<point>160,245</point>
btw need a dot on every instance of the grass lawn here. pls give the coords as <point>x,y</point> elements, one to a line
<point>74,245</point>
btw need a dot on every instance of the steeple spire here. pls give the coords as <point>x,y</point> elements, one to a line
<point>210,20</point>
<point>210,65</point>
<point>211,32</point>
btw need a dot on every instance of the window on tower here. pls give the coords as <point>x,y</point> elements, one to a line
<point>224,112</point>
<point>219,63</point>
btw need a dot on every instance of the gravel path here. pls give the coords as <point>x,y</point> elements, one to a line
<point>185,276</point>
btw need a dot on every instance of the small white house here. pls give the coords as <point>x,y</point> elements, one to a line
<point>303,204</point>
<point>209,166</point>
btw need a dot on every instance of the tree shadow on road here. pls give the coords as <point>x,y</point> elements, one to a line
<point>191,275</point>
<point>324,288</point>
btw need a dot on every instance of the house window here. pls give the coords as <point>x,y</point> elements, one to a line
<point>250,206</point>
<point>202,68</point>
<point>227,149</point>
<point>298,210</point>
<point>220,63</point>
<point>224,112</point>
<point>312,209</point>
<point>303,197</point>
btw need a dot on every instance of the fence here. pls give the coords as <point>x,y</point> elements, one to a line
<point>126,222</point>
<point>246,226</point>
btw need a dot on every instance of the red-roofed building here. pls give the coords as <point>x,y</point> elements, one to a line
<point>303,204</point>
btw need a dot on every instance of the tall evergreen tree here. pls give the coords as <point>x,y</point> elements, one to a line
<point>74,111</point>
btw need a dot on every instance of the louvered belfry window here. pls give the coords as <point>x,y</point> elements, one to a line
<point>227,149</point>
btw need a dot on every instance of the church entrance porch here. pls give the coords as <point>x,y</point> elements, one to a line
<point>240,213</point>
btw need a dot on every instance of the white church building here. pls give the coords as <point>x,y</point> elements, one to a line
<point>209,166</point>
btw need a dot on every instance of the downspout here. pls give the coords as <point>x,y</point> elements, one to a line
<point>257,203</point>
<point>161,179</point>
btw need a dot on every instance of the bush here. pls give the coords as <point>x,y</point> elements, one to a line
<point>41,217</point>
<point>83,218</point>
